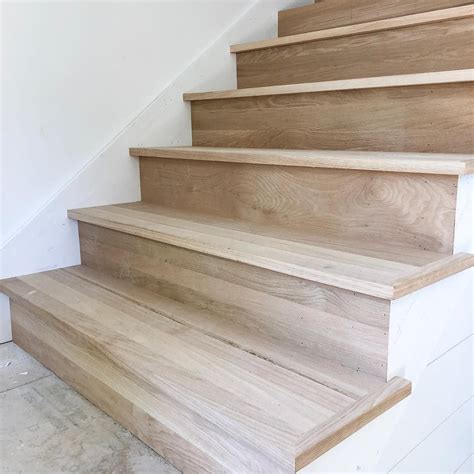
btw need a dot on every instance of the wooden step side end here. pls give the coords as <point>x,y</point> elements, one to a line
<point>312,444</point>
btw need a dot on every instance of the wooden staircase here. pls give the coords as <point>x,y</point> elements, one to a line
<point>237,318</point>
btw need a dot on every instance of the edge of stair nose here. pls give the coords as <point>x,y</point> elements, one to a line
<point>402,80</point>
<point>429,163</point>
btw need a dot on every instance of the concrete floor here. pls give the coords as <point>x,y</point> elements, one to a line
<point>47,427</point>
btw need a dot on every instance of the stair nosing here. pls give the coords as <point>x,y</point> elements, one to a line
<point>405,162</point>
<point>402,80</point>
<point>375,26</point>
<point>315,443</point>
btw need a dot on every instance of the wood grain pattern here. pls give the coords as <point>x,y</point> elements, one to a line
<point>100,246</point>
<point>369,27</point>
<point>203,404</point>
<point>393,81</point>
<point>403,210</point>
<point>290,333</point>
<point>350,271</point>
<point>125,401</point>
<point>428,163</point>
<point>435,118</point>
<point>313,443</point>
<point>442,46</point>
<point>334,13</point>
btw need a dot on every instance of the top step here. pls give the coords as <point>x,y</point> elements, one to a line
<point>430,163</point>
<point>335,13</point>
<point>361,28</point>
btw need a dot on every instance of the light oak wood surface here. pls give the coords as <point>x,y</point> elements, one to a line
<point>441,46</point>
<point>121,255</point>
<point>213,405</point>
<point>427,163</point>
<point>259,318</point>
<point>427,78</point>
<point>368,275</point>
<point>424,118</point>
<point>326,14</point>
<point>412,211</point>
<point>435,16</point>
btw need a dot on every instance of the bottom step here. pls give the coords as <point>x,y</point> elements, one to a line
<point>203,404</point>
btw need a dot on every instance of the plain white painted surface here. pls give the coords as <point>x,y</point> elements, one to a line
<point>467,467</point>
<point>444,448</point>
<point>427,323</point>
<point>444,385</point>
<point>464,229</point>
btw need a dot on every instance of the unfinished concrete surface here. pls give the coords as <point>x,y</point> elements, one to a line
<point>45,426</point>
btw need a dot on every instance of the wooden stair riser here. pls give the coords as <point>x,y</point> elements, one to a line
<point>263,312</point>
<point>413,211</point>
<point>421,118</point>
<point>442,46</point>
<point>333,13</point>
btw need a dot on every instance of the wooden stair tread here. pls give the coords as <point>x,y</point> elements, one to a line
<point>363,274</point>
<point>239,410</point>
<point>360,28</point>
<point>218,314</point>
<point>402,80</point>
<point>433,163</point>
